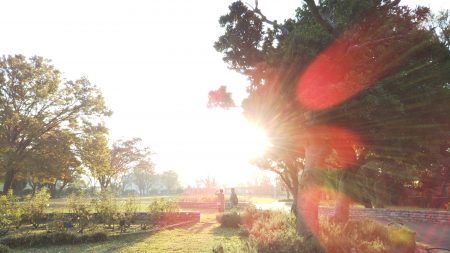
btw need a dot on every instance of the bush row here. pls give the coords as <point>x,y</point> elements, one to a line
<point>58,238</point>
<point>108,212</point>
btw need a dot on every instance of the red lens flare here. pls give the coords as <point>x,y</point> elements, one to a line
<point>348,66</point>
<point>339,142</point>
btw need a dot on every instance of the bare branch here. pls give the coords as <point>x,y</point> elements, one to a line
<point>265,20</point>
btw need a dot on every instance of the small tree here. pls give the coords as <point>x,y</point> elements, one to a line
<point>129,210</point>
<point>10,213</point>
<point>106,207</point>
<point>80,208</point>
<point>35,206</point>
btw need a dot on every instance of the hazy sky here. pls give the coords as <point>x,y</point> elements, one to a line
<point>155,63</point>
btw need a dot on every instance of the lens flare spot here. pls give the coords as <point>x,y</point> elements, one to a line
<point>340,142</point>
<point>349,65</point>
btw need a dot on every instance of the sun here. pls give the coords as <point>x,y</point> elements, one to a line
<point>219,144</point>
<point>252,141</point>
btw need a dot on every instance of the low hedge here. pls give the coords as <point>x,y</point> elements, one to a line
<point>4,248</point>
<point>58,238</point>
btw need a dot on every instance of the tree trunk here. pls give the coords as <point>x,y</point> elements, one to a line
<point>307,222</point>
<point>104,183</point>
<point>9,178</point>
<point>380,193</point>
<point>342,208</point>
<point>18,186</point>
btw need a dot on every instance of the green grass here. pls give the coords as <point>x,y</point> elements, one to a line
<point>201,237</point>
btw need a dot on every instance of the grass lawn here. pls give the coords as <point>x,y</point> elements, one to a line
<point>201,237</point>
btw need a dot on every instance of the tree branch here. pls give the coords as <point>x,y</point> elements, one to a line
<point>315,12</point>
<point>265,20</point>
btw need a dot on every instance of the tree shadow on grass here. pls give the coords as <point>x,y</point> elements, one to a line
<point>225,232</point>
<point>114,244</point>
<point>200,227</point>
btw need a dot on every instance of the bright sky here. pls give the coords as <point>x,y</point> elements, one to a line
<point>155,63</point>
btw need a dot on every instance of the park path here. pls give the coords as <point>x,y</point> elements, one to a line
<point>433,234</point>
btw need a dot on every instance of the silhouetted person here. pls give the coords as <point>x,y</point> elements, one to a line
<point>233,198</point>
<point>220,201</point>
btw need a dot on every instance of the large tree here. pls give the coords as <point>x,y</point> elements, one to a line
<point>343,84</point>
<point>35,101</point>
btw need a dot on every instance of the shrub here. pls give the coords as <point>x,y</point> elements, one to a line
<point>156,208</point>
<point>273,232</point>
<point>270,231</point>
<point>80,208</point>
<point>229,219</point>
<point>130,206</point>
<point>59,238</point>
<point>4,248</point>
<point>35,206</point>
<point>10,212</point>
<point>57,224</point>
<point>162,205</point>
<point>106,208</point>
<point>129,212</point>
<point>401,238</point>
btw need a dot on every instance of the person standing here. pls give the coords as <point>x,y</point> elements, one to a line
<point>220,201</point>
<point>233,198</point>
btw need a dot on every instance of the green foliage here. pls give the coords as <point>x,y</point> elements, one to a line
<point>162,205</point>
<point>106,207</point>
<point>95,154</point>
<point>80,207</point>
<point>35,206</point>
<point>4,248</point>
<point>130,206</point>
<point>157,207</point>
<point>143,173</point>
<point>402,239</point>
<point>58,238</point>
<point>229,219</point>
<point>55,225</point>
<point>10,212</point>
<point>129,210</point>
<point>170,181</point>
